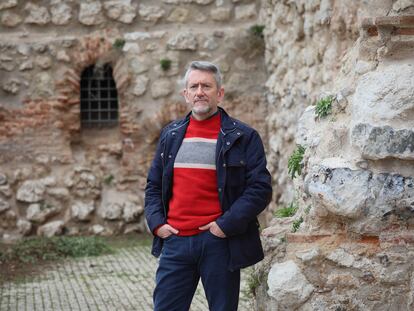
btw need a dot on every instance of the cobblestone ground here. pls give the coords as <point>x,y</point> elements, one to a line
<point>122,281</point>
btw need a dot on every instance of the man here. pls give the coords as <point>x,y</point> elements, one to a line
<point>204,218</point>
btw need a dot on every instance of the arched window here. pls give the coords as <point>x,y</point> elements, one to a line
<point>99,97</point>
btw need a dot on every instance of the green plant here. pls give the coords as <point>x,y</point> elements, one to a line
<point>307,209</point>
<point>295,162</point>
<point>257,30</point>
<point>165,64</point>
<point>31,250</point>
<point>254,279</point>
<point>324,107</point>
<point>296,224</point>
<point>119,43</point>
<point>287,211</point>
<point>283,239</point>
<point>108,179</point>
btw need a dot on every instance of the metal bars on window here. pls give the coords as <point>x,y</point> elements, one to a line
<point>99,97</point>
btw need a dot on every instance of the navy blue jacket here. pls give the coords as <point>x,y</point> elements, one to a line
<point>244,186</point>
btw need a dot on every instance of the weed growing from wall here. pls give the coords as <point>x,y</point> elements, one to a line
<point>324,107</point>
<point>295,162</point>
<point>119,44</point>
<point>257,30</point>
<point>288,211</point>
<point>165,64</point>
<point>296,224</point>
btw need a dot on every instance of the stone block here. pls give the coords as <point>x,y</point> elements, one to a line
<point>24,227</point>
<point>51,229</point>
<point>150,13</point>
<point>183,41</point>
<point>288,286</point>
<point>82,211</point>
<point>41,212</point>
<point>383,142</point>
<point>61,13</point>
<point>384,97</point>
<point>37,14</point>
<point>141,83</point>
<point>7,4</point>
<point>10,19</point>
<point>31,191</point>
<point>90,13</point>
<point>178,15</point>
<point>220,14</point>
<point>120,10</point>
<point>341,191</point>
<point>4,205</point>
<point>161,88</point>
<point>245,12</point>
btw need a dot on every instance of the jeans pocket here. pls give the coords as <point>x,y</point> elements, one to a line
<point>215,236</point>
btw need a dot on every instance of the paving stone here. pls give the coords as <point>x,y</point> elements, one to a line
<point>121,281</point>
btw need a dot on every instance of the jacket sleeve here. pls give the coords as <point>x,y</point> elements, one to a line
<point>256,195</point>
<point>154,209</point>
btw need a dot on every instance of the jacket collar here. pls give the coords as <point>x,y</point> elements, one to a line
<point>227,122</point>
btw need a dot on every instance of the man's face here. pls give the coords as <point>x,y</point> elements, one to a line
<point>202,94</point>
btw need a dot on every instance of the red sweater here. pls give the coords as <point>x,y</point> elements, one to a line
<point>195,200</point>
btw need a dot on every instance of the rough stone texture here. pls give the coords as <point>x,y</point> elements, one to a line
<point>39,213</point>
<point>178,15</point>
<point>10,19</point>
<point>82,211</point>
<point>161,88</point>
<point>51,229</point>
<point>221,14</point>
<point>287,285</point>
<point>131,211</point>
<point>3,179</point>
<point>90,13</point>
<point>385,96</point>
<point>120,10</point>
<point>24,227</point>
<point>61,13</point>
<point>4,205</point>
<point>150,13</point>
<point>183,41</point>
<point>339,190</point>
<point>37,14</point>
<point>354,221</point>
<point>7,4</point>
<point>31,191</point>
<point>383,142</point>
<point>12,86</point>
<point>43,62</point>
<point>245,12</point>
<point>141,83</point>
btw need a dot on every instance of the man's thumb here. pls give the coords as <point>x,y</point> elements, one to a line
<point>205,227</point>
<point>173,230</point>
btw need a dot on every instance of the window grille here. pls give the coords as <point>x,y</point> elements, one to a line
<point>99,97</point>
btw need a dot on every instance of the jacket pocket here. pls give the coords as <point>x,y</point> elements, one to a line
<point>236,170</point>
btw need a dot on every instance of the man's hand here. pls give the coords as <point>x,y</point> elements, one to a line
<point>214,229</point>
<point>165,231</point>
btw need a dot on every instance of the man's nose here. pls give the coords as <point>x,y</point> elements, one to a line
<point>200,89</point>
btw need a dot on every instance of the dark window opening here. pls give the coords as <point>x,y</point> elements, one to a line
<point>98,97</point>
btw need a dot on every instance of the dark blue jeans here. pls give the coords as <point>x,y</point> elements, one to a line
<point>183,261</point>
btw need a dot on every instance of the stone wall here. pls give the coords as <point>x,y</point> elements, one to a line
<point>350,244</point>
<point>57,177</point>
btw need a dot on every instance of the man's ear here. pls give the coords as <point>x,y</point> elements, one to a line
<point>220,94</point>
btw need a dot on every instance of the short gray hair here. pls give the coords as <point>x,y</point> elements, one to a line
<point>204,66</point>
